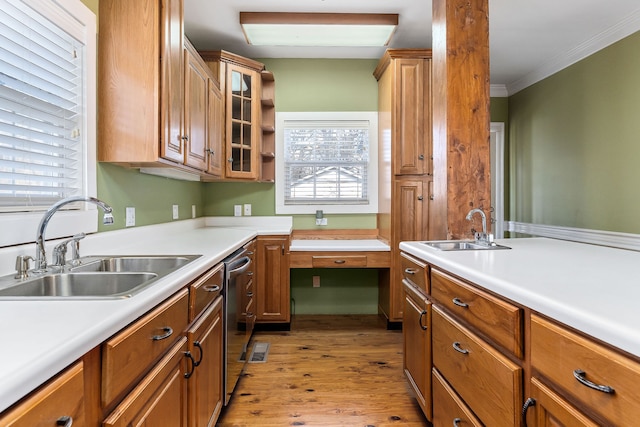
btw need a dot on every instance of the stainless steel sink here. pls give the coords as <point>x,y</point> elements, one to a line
<point>101,277</point>
<point>81,285</point>
<point>462,245</point>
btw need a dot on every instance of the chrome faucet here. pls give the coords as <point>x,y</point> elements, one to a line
<point>41,256</point>
<point>482,238</point>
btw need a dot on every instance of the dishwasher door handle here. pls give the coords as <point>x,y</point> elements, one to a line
<point>239,266</point>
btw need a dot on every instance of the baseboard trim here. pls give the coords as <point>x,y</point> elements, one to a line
<point>583,235</point>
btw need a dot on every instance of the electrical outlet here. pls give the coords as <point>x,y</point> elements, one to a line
<point>130,217</point>
<point>193,211</point>
<point>247,209</point>
<point>321,221</point>
<point>237,210</point>
<point>176,214</point>
<point>316,281</point>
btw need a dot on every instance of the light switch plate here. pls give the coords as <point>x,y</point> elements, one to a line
<point>176,214</point>
<point>237,210</point>
<point>193,211</point>
<point>130,217</point>
<point>247,209</point>
<point>316,281</point>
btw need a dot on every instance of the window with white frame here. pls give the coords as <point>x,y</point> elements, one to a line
<point>47,113</point>
<point>326,161</point>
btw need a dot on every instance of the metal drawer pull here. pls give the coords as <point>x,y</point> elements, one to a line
<point>456,422</point>
<point>423,327</point>
<point>525,408</point>
<point>64,421</point>
<point>193,365</point>
<point>459,303</point>
<point>580,375</point>
<point>167,333</point>
<point>249,294</point>
<point>197,345</point>
<point>410,271</point>
<point>211,288</point>
<point>456,347</point>
<point>339,261</point>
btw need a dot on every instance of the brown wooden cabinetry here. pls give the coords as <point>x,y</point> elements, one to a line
<point>196,83</point>
<point>268,146</point>
<point>59,402</point>
<point>272,290</point>
<point>404,128</point>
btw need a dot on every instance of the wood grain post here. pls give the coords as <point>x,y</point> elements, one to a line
<point>461,120</point>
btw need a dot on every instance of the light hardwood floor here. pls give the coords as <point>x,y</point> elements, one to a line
<point>327,371</point>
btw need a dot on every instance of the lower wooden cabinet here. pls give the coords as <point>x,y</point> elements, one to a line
<point>272,284</point>
<point>448,408</point>
<point>58,403</point>
<point>546,408</point>
<point>160,399</point>
<point>416,329</point>
<point>205,381</point>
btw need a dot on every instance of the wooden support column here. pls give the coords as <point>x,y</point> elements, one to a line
<point>461,120</point>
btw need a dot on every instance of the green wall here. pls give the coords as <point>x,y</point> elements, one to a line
<point>574,144</point>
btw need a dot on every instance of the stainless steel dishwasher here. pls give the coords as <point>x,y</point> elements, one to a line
<point>236,267</point>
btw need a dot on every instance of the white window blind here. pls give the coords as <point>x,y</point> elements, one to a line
<point>326,162</point>
<point>42,109</point>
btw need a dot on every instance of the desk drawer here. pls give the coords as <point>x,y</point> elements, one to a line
<point>559,354</point>
<point>488,382</point>
<point>497,319</point>
<point>330,261</point>
<point>128,355</point>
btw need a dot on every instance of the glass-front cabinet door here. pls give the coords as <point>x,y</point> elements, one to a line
<point>242,141</point>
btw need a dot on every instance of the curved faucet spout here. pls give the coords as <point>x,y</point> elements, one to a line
<point>480,237</point>
<point>41,257</point>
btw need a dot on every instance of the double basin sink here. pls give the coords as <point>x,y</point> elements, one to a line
<point>106,277</point>
<point>462,245</point>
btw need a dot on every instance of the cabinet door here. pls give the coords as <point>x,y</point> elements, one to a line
<point>272,285</point>
<point>416,328</point>
<point>243,123</point>
<point>553,411</point>
<point>160,399</point>
<point>215,130</point>
<point>205,384</point>
<point>411,117</point>
<point>196,84</point>
<point>60,401</point>
<point>172,80</point>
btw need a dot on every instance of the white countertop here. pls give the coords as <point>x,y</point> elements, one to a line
<point>592,288</point>
<point>346,245</point>
<point>40,338</point>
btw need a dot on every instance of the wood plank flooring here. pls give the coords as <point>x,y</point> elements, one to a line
<point>327,371</point>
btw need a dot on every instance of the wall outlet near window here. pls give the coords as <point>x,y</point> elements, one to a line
<point>176,214</point>
<point>247,209</point>
<point>130,217</point>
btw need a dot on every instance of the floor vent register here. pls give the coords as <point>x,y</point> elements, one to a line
<point>259,353</point>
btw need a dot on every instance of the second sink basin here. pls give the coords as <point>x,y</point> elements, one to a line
<point>154,264</point>
<point>461,245</point>
<point>81,285</point>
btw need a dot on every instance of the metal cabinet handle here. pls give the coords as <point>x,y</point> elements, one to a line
<point>64,421</point>
<point>456,422</point>
<point>410,271</point>
<point>249,294</point>
<point>580,375</point>
<point>211,288</point>
<point>420,198</point>
<point>230,160</point>
<point>459,303</point>
<point>185,137</point>
<point>421,157</point>
<point>456,347</point>
<point>193,365</point>
<point>527,404</point>
<point>167,333</point>
<point>339,261</point>
<point>423,327</point>
<point>197,345</point>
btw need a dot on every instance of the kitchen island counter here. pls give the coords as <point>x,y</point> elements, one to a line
<point>591,288</point>
<point>41,337</point>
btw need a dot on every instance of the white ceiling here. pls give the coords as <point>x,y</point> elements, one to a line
<point>529,40</point>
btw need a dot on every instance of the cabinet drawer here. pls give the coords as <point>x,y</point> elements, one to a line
<point>348,261</point>
<point>127,356</point>
<point>414,271</point>
<point>560,355</point>
<point>553,410</point>
<point>486,380</point>
<point>448,408</point>
<point>497,319</point>
<point>62,397</point>
<point>205,290</point>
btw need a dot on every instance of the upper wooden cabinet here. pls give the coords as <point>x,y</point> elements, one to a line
<point>268,149</point>
<point>241,86</point>
<point>153,96</point>
<point>404,82</point>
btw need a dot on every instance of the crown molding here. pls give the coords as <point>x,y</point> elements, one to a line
<point>499,91</point>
